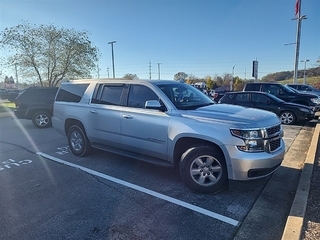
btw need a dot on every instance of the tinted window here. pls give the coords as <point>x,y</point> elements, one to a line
<point>253,87</point>
<point>71,92</point>
<point>110,95</point>
<point>242,97</point>
<point>138,95</point>
<point>259,98</point>
<point>34,94</point>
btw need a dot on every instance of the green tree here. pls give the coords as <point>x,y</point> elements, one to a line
<point>130,76</point>
<point>209,82</point>
<point>49,54</point>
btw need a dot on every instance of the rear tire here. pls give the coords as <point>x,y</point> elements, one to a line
<point>41,119</point>
<point>78,142</point>
<point>203,169</point>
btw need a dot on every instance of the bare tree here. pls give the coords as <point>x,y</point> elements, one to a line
<point>130,76</point>
<point>49,54</point>
<point>180,75</point>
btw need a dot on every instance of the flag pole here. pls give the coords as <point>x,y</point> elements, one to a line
<point>299,18</point>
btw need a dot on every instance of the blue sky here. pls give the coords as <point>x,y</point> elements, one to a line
<point>198,37</point>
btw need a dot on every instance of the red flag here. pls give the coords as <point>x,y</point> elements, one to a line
<point>297,8</point>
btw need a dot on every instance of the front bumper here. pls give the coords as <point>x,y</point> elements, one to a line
<point>247,166</point>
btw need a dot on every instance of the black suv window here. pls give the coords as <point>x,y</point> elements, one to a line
<point>35,94</point>
<point>138,95</point>
<point>252,87</point>
<point>71,92</point>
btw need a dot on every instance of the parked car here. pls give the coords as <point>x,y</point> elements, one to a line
<point>285,93</point>
<point>36,104</point>
<point>305,88</point>
<point>171,124</point>
<point>289,113</point>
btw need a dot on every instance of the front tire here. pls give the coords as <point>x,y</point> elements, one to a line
<point>78,142</point>
<point>203,169</point>
<point>287,118</point>
<point>41,119</point>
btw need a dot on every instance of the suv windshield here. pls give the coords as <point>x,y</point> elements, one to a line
<point>184,96</point>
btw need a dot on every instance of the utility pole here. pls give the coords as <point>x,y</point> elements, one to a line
<point>299,18</point>
<point>159,71</point>
<point>112,57</point>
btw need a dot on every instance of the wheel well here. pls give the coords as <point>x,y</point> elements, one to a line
<point>70,122</point>
<point>185,143</point>
<point>31,112</point>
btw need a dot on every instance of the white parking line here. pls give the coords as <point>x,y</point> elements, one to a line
<point>145,190</point>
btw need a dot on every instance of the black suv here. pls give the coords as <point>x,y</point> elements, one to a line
<point>285,93</point>
<point>36,104</point>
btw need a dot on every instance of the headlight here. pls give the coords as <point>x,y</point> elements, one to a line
<point>315,100</point>
<point>252,139</point>
<point>305,110</point>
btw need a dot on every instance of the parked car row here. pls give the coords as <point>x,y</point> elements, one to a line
<point>289,104</point>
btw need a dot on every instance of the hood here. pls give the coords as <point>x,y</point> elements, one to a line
<point>235,115</point>
<point>295,105</point>
<point>311,95</point>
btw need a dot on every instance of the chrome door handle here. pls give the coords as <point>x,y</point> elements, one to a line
<point>94,111</point>
<point>127,116</point>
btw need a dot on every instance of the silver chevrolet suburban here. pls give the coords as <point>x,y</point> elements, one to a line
<point>170,123</point>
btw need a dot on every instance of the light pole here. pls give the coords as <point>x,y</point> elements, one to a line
<point>112,57</point>
<point>231,82</point>
<point>159,70</point>
<point>304,72</point>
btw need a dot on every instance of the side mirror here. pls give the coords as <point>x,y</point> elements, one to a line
<point>154,104</point>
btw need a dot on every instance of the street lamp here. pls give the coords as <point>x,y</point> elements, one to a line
<point>112,57</point>
<point>159,70</point>
<point>304,72</point>
<point>231,82</point>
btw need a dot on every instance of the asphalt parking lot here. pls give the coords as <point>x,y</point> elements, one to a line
<point>48,193</point>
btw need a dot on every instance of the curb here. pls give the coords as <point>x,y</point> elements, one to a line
<point>294,224</point>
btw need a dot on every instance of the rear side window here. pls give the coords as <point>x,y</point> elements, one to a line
<point>35,94</point>
<point>253,87</point>
<point>242,97</point>
<point>109,94</point>
<point>71,92</point>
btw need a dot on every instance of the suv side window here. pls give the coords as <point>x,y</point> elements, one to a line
<point>273,89</point>
<point>71,92</point>
<point>111,95</point>
<point>138,95</point>
<point>253,87</point>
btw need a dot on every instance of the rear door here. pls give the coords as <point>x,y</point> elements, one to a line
<point>104,115</point>
<point>144,130</point>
